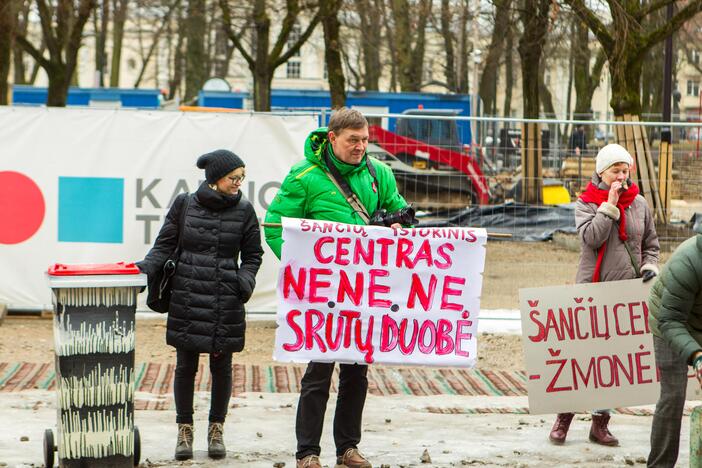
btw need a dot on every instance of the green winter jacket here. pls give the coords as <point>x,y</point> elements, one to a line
<point>675,302</point>
<point>308,193</point>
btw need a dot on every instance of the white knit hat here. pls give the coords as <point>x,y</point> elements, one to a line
<point>612,154</point>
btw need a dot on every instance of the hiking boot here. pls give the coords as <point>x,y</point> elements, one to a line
<point>310,461</point>
<point>215,441</point>
<point>352,458</point>
<point>599,433</point>
<point>184,447</point>
<point>560,428</point>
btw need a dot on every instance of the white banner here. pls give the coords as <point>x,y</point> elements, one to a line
<point>589,347</point>
<point>93,186</point>
<point>369,294</point>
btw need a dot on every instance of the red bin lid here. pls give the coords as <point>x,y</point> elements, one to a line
<point>85,269</point>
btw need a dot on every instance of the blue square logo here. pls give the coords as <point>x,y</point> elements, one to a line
<point>91,209</point>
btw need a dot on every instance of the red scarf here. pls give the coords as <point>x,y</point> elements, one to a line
<point>592,194</point>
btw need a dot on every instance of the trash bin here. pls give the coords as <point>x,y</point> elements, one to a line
<point>94,334</point>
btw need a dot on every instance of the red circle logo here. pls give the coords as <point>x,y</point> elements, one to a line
<point>22,207</point>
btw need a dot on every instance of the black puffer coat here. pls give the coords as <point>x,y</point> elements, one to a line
<point>210,287</point>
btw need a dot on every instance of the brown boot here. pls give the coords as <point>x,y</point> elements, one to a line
<point>310,461</point>
<point>599,433</point>
<point>352,458</point>
<point>560,428</point>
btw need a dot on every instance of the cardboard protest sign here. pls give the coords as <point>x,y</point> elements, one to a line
<point>589,346</point>
<point>370,294</point>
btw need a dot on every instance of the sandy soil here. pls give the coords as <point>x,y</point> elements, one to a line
<point>508,267</point>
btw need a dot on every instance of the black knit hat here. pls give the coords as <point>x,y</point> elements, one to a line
<point>218,163</point>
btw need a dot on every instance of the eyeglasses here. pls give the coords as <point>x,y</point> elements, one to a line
<point>237,179</point>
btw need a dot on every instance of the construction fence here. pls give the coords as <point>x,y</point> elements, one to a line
<point>452,178</point>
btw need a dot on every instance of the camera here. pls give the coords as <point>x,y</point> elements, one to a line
<point>404,216</point>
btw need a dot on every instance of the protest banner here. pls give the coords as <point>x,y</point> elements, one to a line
<point>370,294</point>
<point>589,347</point>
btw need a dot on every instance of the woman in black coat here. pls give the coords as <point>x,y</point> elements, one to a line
<point>215,275</point>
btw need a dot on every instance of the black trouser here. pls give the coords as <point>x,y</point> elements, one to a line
<point>314,393</point>
<point>665,429</point>
<point>184,385</point>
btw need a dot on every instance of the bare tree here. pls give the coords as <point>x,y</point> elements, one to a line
<point>163,25</point>
<point>534,16</point>
<point>410,23</point>
<point>626,41</point>
<point>488,80</point>
<point>260,57</point>
<point>101,18</point>
<point>62,29</point>
<point>195,58</point>
<point>370,14</point>
<point>119,17</point>
<point>332,52</point>
<point>8,18</point>
<point>585,79</point>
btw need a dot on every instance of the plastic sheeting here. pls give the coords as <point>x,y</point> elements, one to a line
<point>524,222</point>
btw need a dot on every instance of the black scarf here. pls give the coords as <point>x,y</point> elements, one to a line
<point>214,200</point>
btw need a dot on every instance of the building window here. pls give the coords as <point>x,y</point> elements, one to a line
<point>693,88</point>
<point>294,36</point>
<point>695,55</point>
<point>293,69</point>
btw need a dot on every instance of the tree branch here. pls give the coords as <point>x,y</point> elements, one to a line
<point>598,28</point>
<point>292,11</point>
<point>45,17</point>
<point>235,38</point>
<point>31,50</point>
<point>657,35</point>
<point>597,69</point>
<point>302,39</point>
<point>650,8</point>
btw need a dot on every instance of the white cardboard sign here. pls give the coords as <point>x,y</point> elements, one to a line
<point>589,347</point>
<point>369,294</point>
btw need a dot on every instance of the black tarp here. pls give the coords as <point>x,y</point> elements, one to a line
<point>524,222</point>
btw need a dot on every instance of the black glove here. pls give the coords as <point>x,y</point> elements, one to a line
<point>648,275</point>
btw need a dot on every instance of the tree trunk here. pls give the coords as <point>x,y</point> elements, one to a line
<point>59,82</point>
<point>492,60</point>
<point>462,83</point>
<point>509,74</point>
<point>534,16</point>
<point>332,53</point>
<point>370,37</point>
<point>119,18</point>
<point>8,16</point>
<point>195,60</point>
<point>403,41</point>
<point>450,68</point>
<point>178,59</point>
<point>20,72</point>
<point>262,90</point>
<point>100,41</point>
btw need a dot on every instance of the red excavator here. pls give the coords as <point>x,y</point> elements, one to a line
<point>430,165</point>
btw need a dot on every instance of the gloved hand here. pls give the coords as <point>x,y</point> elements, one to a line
<point>648,275</point>
<point>697,365</point>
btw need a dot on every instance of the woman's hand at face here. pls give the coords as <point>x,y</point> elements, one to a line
<point>613,197</point>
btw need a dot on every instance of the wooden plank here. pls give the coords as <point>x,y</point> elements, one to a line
<point>665,177</point>
<point>641,169</point>
<point>659,210</point>
<point>538,172</point>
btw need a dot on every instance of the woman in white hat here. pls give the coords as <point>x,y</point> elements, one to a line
<point>618,241</point>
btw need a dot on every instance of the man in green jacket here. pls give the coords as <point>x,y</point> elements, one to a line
<point>675,317</point>
<point>309,192</point>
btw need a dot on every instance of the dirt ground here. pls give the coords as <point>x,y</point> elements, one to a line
<point>508,267</point>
